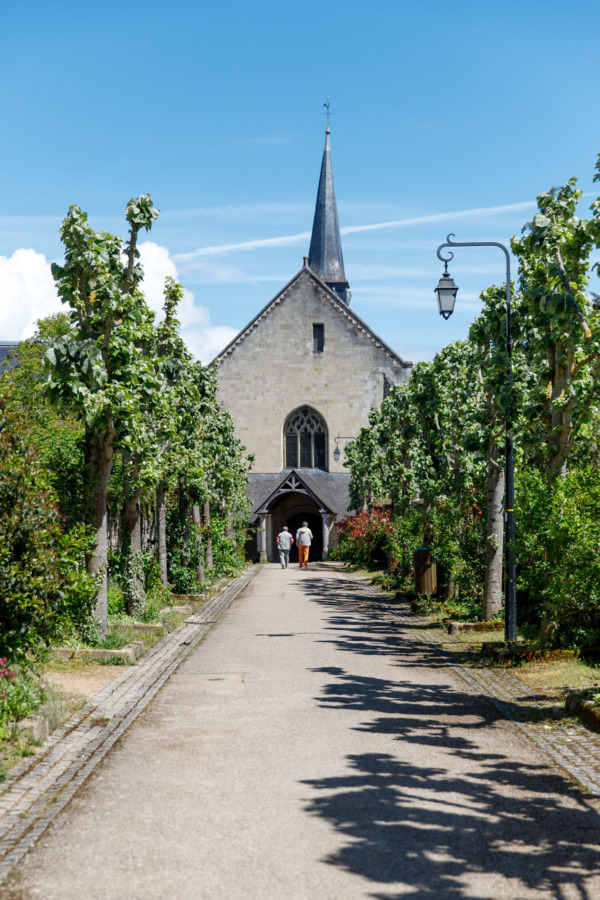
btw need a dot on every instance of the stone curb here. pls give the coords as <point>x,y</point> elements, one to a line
<point>572,748</point>
<point>41,786</point>
<point>138,628</point>
<point>585,709</point>
<point>185,609</point>
<point>129,654</point>
<point>455,627</point>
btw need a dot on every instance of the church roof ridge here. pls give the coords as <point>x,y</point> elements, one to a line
<point>332,296</point>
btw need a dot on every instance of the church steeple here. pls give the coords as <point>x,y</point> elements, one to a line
<point>325,254</point>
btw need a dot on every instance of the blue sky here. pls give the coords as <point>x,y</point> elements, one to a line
<point>217,111</point>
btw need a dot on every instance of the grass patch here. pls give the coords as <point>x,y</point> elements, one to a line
<point>552,679</point>
<point>557,678</point>
<point>15,744</point>
<point>115,640</point>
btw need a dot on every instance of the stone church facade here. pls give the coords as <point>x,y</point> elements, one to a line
<point>299,380</point>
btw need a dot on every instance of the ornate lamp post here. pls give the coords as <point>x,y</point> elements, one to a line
<point>446,296</point>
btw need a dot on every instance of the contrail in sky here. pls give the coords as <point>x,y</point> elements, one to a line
<point>290,239</point>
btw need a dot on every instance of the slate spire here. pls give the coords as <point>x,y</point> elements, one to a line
<point>325,255</point>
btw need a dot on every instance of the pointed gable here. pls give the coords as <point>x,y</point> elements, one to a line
<point>327,294</point>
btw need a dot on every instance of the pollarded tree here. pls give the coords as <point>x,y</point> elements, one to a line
<point>102,370</point>
<point>364,458</point>
<point>498,403</point>
<point>560,326</point>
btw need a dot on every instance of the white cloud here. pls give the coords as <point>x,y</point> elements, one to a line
<point>203,339</point>
<point>27,293</point>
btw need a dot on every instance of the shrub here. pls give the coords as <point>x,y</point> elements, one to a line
<point>43,583</point>
<point>363,538</point>
<point>228,550</point>
<point>20,694</point>
<point>456,534</point>
<point>558,556</point>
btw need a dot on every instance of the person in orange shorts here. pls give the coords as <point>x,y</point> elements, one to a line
<point>304,539</point>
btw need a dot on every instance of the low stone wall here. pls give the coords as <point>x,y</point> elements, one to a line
<point>587,710</point>
<point>129,654</point>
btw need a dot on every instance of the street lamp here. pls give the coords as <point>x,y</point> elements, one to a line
<point>446,295</point>
<point>340,437</point>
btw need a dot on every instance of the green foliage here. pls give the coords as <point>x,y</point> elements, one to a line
<point>228,550</point>
<point>55,435</point>
<point>104,407</point>
<point>456,533</point>
<point>363,539</point>
<point>116,601</point>
<point>42,576</point>
<point>560,326</point>
<point>433,450</point>
<point>558,552</point>
<point>20,694</point>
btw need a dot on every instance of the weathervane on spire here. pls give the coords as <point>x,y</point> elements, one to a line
<point>327,104</point>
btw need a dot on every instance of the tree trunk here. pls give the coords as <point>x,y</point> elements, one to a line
<point>492,587</point>
<point>161,533</point>
<point>209,551</point>
<point>99,454</point>
<point>198,523</point>
<point>135,599</point>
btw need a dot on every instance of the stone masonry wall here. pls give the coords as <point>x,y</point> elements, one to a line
<point>274,369</point>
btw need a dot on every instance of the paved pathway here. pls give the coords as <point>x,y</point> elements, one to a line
<point>311,748</point>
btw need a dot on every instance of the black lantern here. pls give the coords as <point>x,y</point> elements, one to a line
<point>446,294</point>
<point>341,437</point>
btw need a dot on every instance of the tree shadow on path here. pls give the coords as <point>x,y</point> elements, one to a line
<point>459,810</point>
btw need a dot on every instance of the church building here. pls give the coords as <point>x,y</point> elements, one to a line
<point>299,381</point>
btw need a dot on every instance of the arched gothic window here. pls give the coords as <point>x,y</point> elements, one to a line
<point>305,434</point>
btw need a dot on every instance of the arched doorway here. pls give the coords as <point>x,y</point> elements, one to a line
<point>315,523</point>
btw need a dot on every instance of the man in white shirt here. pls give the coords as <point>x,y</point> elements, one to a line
<point>304,539</point>
<point>284,545</point>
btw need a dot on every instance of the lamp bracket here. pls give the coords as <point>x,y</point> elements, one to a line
<point>446,259</point>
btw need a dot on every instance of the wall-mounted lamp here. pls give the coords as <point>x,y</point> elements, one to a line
<point>341,437</point>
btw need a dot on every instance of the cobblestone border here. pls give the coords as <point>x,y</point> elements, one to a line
<point>41,786</point>
<point>571,746</point>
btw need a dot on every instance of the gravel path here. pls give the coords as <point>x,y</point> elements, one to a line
<point>313,746</point>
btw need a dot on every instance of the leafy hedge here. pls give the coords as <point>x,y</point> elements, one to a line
<point>558,556</point>
<point>43,584</point>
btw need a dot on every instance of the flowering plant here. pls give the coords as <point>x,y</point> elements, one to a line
<point>20,694</point>
<point>4,673</point>
<point>364,537</point>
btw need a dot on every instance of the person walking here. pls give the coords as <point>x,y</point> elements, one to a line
<point>304,539</point>
<point>284,545</point>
